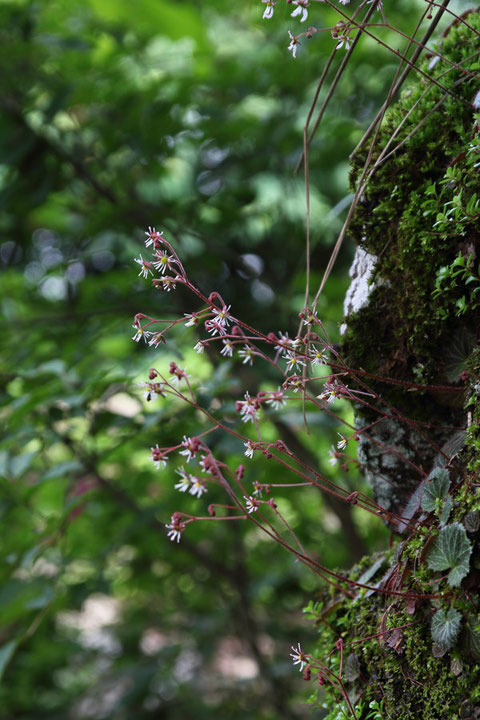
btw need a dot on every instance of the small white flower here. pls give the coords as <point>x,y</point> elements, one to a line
<point>301,8</point>
<point>159,460</point>
<point>215,326</point>
<point>293,44</point>
<point>342,443</point>
<point>145,267</point>
<point>227,350</point>
<point>319,357</point>
<point>191,447</point>
<point>333,456</point>
<point>344,40</point>
<point>250,449</point>
<point>268,12</point>
<point>198,487</point>
<point>149,394</point>
<point>169,283</point>
<point>277,399</point>
<point>222,315</point>
<point>175,529</point>
<point>293,360</point>
<point>153,235</point>
<point>140,333</point>
<point>251,503</point>
<point>299,657</point>
<point>184,483</point>
<point>192,320</point>
<point>343,2</point>
<point>247,354</point>
<point>199,347</point>
<point>163,261</point>
<point>155,339</point>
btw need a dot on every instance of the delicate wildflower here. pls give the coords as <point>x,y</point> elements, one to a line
<point>301,8</point>
<point>167,283</point>
<point>250,449</point>
<point>227,350</point>
<point>222,315</point>
<point>299,657</point>
<point>293,360</point>
<point>319,357</point>
<point>248,408</point>
<point>163,261</point>
<point>343,2</point>
<point>159,459</point>
<point>378,2</point>
<point>333,456</point>
<point>268,12</point>
<point>247,354</point>
<point>185,482</point>
<point>146,267</point>
<point>342,443</point>
<point>215,326</point>
<point>284,342</point>
<point>294,41</point>
<point>140,332</point>
<point>153,237</point>
<point>177,373</point>
<point>276,399</point>
<point>192,319</point>
<point>251,503</point>
<point>295,382</point>
<point>331,390</point>
<point>258,488</point>
<point>155,339</point>
<point>198,487</point>
<point>191,447</point>
<point>175,528</point>
<point>199,347</point>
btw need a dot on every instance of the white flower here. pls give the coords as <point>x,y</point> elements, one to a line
<point>215,326</point>
<point>145,267</point>
<point>175,529</point>
<point>293,44</point>
<point>198,487</point>
<point>277,399</point>
<point>168,283</point>
<point>344,40</point>
<point>140,332</point>
<point>184,483</point>
<point>155,339</point>
<point>153,235</point>
<point>333,456</point>
<point>150,394</point>
<point>191,447</point>
<point>251,503</point>
<point>199,347</point>
<point>250,449</point>
<point>192,320</point>
<point>248,408</point>
<point>163,261</point>
<point>319,357</point>
<point>343,2</point>
<point>222,315</point>
<point>247,355</point>
<point>227,350</point>
<point>299,657</point>
<point>268,12</point>
<point>342,443</point>
<point>331,391</point>
<point>301,9</point>
<point>293,361</point>
<point>159,460</point>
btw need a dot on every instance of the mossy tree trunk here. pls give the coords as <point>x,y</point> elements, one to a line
<point>412,317</point>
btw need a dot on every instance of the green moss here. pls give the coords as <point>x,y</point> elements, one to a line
<point>406,328</point>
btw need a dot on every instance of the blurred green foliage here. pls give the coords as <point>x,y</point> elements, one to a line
<point>188,116</point>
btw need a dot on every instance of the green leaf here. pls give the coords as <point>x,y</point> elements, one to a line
<point>446,510</point>
<point>445,627</point>
<point>435,489</point>
<point>452,550</point>
<point>473,637</point>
